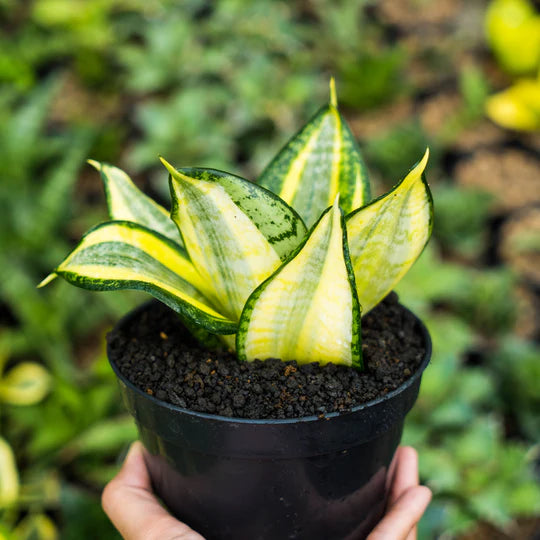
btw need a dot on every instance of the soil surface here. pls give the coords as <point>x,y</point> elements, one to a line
<point>160,357</point>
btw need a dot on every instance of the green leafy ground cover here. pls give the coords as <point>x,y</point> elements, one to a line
<point>223,85</point>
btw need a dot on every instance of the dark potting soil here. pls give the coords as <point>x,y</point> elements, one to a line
<point>158,355</point>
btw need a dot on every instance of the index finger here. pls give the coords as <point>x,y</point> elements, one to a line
<point>405,473</point>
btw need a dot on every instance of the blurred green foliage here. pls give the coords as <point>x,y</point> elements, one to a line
<point>37,211</point>
<point>459,420</point>
<point>223,84</point>
<point>517,366</point>
<point>461,218</point>
<point>209,108</point>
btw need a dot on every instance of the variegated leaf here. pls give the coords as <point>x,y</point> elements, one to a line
<point>321,160</point>
<point>236,232</point>
<point>125,255</point>
<point>127,202</point>
<point>308,310</point>
<point>388,235</point>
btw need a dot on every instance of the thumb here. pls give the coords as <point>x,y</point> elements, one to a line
<point>132,507</point>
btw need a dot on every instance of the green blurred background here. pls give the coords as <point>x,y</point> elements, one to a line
<point>224,84</point>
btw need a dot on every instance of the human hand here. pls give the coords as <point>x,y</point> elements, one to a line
<point>131,505</point>
<point>407,499</point>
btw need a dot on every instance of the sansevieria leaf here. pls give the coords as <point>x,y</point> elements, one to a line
<point>308,310</point>
<point>236,233</point>
<point>387,236</point>
<point>127,202</point>
<point>321,160</point>
<point>125,255</point>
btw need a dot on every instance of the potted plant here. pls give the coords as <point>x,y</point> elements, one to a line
<point>265,409</point>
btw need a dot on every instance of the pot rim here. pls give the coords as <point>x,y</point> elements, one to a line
<point>262,421</point>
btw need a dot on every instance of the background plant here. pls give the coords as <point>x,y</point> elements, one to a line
<point>513,31</point>
<point>121,99</point>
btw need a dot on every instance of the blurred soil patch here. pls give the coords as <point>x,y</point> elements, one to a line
<point>522,529</point>
<point>510,175</point>
<point>520,243</point>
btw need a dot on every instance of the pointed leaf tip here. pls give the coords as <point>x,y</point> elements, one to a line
<point>425,159</point>
<point>386,236</point>
<point>167,165</point>
<point>94,163</point>
<point>333,96</point>
<point>47,280</point>
<point>322,159</point>
<point>177,174</point>
<point>126,202</point>
<point>417,171</point>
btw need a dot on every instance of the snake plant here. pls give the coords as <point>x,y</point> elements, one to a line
<point>280,268</point>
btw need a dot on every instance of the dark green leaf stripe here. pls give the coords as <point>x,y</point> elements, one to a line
<point>126,202</point>
<point>282,227</point>
<point>354,186</point>
<point>308,309</point>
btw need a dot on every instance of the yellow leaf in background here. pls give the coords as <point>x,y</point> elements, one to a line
<point>44,487</point>
<point>9,476</point>
<point>513,31</point>
<point>517,107</point>
<point>25,384</point>
<point>36,526</point>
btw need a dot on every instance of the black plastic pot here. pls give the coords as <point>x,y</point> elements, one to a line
<point>304,478</point>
